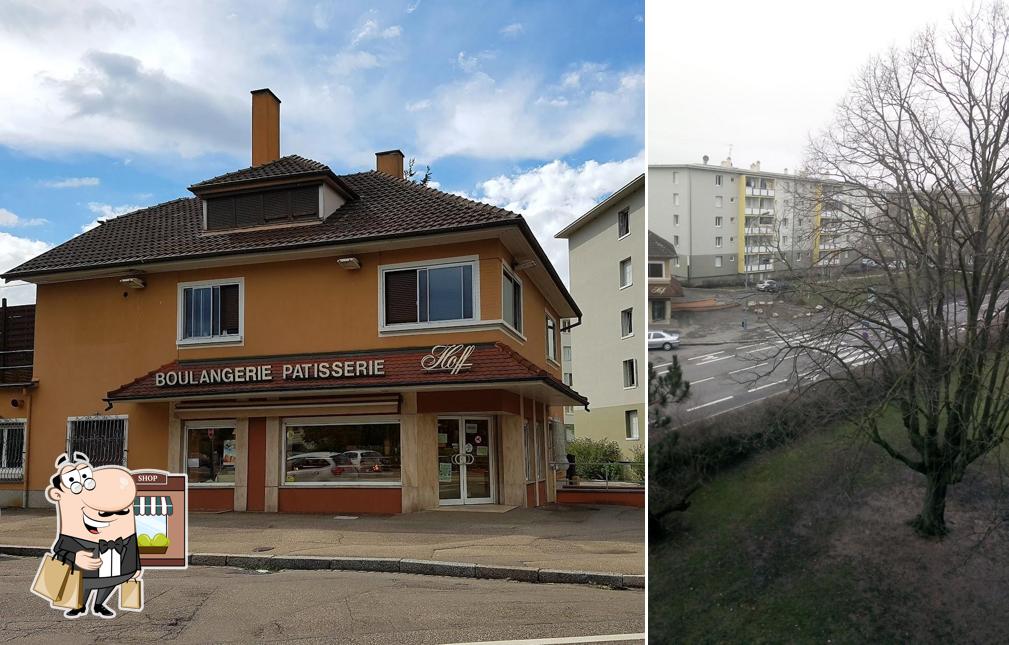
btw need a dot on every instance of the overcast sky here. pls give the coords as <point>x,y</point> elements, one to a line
<point>109,106</point>
<point>760,77</point>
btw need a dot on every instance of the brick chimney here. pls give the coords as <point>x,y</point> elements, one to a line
<point>390,163</point>
<point>265,127</point>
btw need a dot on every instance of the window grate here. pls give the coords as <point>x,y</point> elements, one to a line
<point>12,449</point>
<point>101,438</point>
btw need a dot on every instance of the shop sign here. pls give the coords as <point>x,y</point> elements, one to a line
<point>266,373</point>
<point>448,358</point>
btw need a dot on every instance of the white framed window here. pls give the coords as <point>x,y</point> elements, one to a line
<point>718,241</point>
<point>626,278</point>
<point>340,452</point>
<point>718,221</point>
<point>718,201</point>
<point>718,262</point>
<point>676,220</point>
<point>627,322</point>
<point>211,452</point>
<point>631,425</point>
<point>511,299</point>
<point>211,311</point>
<point>676,177</point>
<point>12,449</point>
<point>623,223</point>
<point>566,351</point>
<point>656,269</point>
<point>630,373</point>
<point>419,295</point>
<point>568,379</point>
<point>784,239</point>
<point>103,438</point>
<point>676,199</point>
<point>551,339</point>
<point>676,240</point>
<point>718,180</point>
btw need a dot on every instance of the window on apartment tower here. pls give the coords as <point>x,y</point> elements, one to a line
<point>676,220</point>
<point>718,241</point>
<point>551,332</point>
<point>210,311</point>
<point>625,273</point>
<point>511,305</point>
<point>718,261</point>
<point>718,180</point>
<point>627,322</point>
<point>631,373</point>
<point>718,201</point>
<point>676,240</point>
<point>676,199</point>
<point>676,178</point>
<point>718,222</point>
<point>656,269</point>
<point>623,223</point>
<point>566,352</point>
<point>428,294</point>
<point>631,425</point>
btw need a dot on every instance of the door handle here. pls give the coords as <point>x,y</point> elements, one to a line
<point>470,459</point>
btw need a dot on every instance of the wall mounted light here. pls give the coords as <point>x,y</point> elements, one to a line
<point>349,263</point>
<point>524,265</point>
<point>133,283</point>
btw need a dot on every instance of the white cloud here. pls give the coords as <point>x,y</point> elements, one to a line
<point>417,106</point>
<point>71,182</point>
<point>513,30</point>
<point>105,212</point>
<point>370,30</point>
<point>553,195</point>
<point>413,6</point>
<point>9,220</point>
<point>350,61</point>
<point>467,63</point>
<point>522,118</point>
<point>13,251</point>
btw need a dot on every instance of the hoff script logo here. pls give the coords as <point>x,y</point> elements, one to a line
<point>448,358</point>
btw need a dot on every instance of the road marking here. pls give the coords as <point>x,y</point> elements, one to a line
<point>743,369</point>
<point>768,385</point>
<point>606,638</point>
<point>704,405</point>
<point>694,358</point>
<point>760,349</point>
<point>692,383</point>
<point>655,367</point>
<point>754,345</point>
<point>713,360</point>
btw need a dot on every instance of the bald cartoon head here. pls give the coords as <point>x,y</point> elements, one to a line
<point>92,503</point>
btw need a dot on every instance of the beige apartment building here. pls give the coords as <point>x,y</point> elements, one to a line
<point>733,225</point>
<point>607,260</point>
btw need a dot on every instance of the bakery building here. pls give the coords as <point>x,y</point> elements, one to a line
<point>300,341</point>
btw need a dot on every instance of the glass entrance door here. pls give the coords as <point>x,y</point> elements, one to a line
<point>465,461</point>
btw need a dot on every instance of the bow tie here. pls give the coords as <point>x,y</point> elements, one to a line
<point>117,544</point>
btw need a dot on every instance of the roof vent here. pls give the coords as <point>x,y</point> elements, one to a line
<point>727,162</point>
<point>705,159</point>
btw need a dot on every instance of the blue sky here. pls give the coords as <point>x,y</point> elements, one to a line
<point>536,106</point>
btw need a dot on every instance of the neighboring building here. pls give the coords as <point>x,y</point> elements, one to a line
<point>663,288</point>
<point>567,374</point>
<point>301,341</point>
<point>730,225</point>
<point>606,256</point>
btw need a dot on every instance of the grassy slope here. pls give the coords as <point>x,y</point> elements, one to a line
<point>784,549</point>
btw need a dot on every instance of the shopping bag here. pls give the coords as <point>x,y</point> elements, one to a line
<point>51,578</point>
<point>73,592</point>
<point>131,595</point>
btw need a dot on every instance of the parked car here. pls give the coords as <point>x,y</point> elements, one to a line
<point>770,286</point>
<point>365,460</point>
<point>665,340</point>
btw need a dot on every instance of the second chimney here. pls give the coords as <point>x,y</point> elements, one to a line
<point>265,127</point>
<point>390,163</point>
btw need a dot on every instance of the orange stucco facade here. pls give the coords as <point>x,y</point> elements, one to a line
<point>95,335</point>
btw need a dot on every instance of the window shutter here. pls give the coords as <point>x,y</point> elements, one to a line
<point>400,297</point>
<point>276,205</point>
<point>305,202</point>
<point>220,213</point>
<point>248,210</point>
<point>229,309</point>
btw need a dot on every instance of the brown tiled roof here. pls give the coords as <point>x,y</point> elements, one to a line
<point>491,363</point>
<point>286,167</point>
<point>383,207</point>
<point>660,247</point>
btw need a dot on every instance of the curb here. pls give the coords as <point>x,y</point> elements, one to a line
<point>391,565</point>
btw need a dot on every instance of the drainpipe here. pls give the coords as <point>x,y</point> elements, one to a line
<point>573,325</point>
<point>26,395</point>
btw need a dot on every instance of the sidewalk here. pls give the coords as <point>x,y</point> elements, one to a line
<point>570,538</point>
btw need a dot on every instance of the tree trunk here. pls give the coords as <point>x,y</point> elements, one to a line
<point>931,521</point>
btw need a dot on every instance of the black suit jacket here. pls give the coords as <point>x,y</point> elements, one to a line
<point>67,546</point>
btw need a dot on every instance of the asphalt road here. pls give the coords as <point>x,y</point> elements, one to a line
<point>217,604</point>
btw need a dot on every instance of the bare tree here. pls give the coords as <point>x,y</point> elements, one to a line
<point>909,187</point>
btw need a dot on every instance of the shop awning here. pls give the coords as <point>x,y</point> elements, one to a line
<point>157,505</point>
<point>447,367</point>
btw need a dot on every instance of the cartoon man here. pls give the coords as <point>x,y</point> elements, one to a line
<point>96,526</point>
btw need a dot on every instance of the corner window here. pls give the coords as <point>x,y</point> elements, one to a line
<point>102,438</point>
<point>511,305</point>
<point>625,273</point>
<point>627,322</point>
<point>211,452</point>
<point>12,448</point>
<point>551,338</point>
<point>630,373</point>
<point>623,223</point>
<point>428,295</point>
<point>656,269</point>
<point>211,311</point>
<point>330,453</point>
<point>568,379</point>
<point>567,353</point>
<point>631,425</point>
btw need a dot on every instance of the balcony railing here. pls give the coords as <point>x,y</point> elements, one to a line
<point>626,475</point>
<point>763,248</point>
<point>754,268</point>
<point>753,191</point>
<point>758,211</point>
<point>759,230</point>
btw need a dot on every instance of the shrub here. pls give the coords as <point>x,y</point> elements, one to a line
<point>599,452</point>
<point>637,467</point>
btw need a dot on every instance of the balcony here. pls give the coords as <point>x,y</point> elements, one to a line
<point>759,248</point>
<point>753,191</point>
<point>759,229</point>
<point>757,268</point>
<point>830,246</point>
<point>759,211</point>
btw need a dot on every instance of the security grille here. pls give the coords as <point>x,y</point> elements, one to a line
<point>101,438</point>
<point>12,449</point>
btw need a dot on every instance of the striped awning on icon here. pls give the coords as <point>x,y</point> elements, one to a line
<point>152,506</point>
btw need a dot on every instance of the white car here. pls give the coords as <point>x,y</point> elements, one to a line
<point>665,340</point>
<point>767,285</point>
